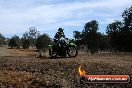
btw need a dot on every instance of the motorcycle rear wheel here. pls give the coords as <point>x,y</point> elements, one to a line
<point>52,54</point>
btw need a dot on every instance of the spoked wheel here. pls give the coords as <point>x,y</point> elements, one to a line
<point>52,54</point>
<point>72,52</point>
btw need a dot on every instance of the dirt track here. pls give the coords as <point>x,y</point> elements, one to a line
<point>4,52</point>
<point>22,70</point>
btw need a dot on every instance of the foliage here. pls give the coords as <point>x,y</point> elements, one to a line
<point>120,33</point>
<point>43,41</point>
<point>2,39</point>
<point>78,38</point>
<point>29,38</point>
<point>17,40</point>
<point>126,33</point>
<point>77,35</point>
<point>113,31</point>
<point>12,43</point>
<point>89,35</point>
<point>104,42</point>
<point>32,35</point>
<point>25,43</point>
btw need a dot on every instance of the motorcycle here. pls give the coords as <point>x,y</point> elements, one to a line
<point>62,48</point>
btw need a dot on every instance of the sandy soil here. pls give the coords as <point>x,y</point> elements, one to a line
<point>4,52</point>
<point>21,69</point>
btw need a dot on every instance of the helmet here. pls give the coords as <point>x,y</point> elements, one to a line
<point>60,30</point>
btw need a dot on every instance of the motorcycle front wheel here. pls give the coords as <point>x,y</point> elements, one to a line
<point>72,52</point>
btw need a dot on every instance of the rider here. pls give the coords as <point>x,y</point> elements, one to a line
<point>59,35</point>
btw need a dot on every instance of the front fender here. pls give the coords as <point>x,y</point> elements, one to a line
<point>50,46</point>
<point>72,44</point>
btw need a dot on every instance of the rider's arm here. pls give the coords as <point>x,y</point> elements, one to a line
<point>63,35</point>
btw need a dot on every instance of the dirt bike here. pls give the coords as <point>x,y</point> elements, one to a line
<point>62,48</point>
